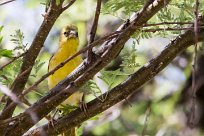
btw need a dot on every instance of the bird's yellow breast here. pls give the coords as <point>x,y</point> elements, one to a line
<point>66,49</point>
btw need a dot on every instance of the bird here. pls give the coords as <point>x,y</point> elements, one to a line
<point>68,46</point>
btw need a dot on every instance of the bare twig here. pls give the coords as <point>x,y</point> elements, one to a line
<point>170,29</point>
<point>169,23</point>
<point>24,73</point>
<point>9,120</point>
<point>94,28</point>
<point>194,68</point>
<point>148,112</point>
<point>18,85</point>
<point>68,5</point>
<point>6,2</point>
<point>13,59</point>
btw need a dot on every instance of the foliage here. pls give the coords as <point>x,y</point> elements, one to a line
<point>129,63</point>
<point>92,88</point>
<point>36,68</point>
<point>126,6</point>
<point>17,39</point>
<point>9,73</point>
<point>4,52</point>
<point>176,11</point>
<point>114,77</point>
<point>65,109</point>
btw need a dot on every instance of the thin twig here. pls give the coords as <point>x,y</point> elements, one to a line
<point>6,2</point>
<point>170,29</point>
<point>13,59</point>
<point>194,68</point>
<point>18,85</point>
<point>94,28</point>
<point>148,112</point>
<point>168,23</point>
<point>68,5</point>
<point>9,120</point>
<point>24,73</point>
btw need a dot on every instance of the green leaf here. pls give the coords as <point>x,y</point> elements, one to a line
<point>65,109</point>
<point>39,66</point>
<point>17,39</point>
<point>125,6</point>
<point>113,78</point>
<point>6,53</point>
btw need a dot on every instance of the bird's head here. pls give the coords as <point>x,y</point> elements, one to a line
<point>69,32</point>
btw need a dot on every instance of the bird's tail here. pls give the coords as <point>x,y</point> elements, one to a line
<point>70,132</point>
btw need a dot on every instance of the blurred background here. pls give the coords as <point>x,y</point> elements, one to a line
<point>161,107</point>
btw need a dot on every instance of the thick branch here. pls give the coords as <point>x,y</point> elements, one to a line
<point>123,90</point>
<point>109,51</point>
<point>29,59</point>
<point>194,68</point>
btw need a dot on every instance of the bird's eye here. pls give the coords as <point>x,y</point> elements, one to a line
<point>76,34</point>
<point>66,34</point>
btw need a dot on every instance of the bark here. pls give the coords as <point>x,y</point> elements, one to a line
<point>18,85</point>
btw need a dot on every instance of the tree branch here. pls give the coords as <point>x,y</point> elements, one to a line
<point>123,90</point>
<point>171,29</point>
<point>29,59</point>
<point>6,2</point>
<point>64,89</point>
<point>68,5</point>
<point>194,68</point>
<point>168,23</point>
<point>94,28</point>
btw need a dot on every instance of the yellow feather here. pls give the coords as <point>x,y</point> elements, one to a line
<point>67,47</point>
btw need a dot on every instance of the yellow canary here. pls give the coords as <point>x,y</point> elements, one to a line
<point>68,45</point>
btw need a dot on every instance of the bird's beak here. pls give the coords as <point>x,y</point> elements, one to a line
<point>73,34</point>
